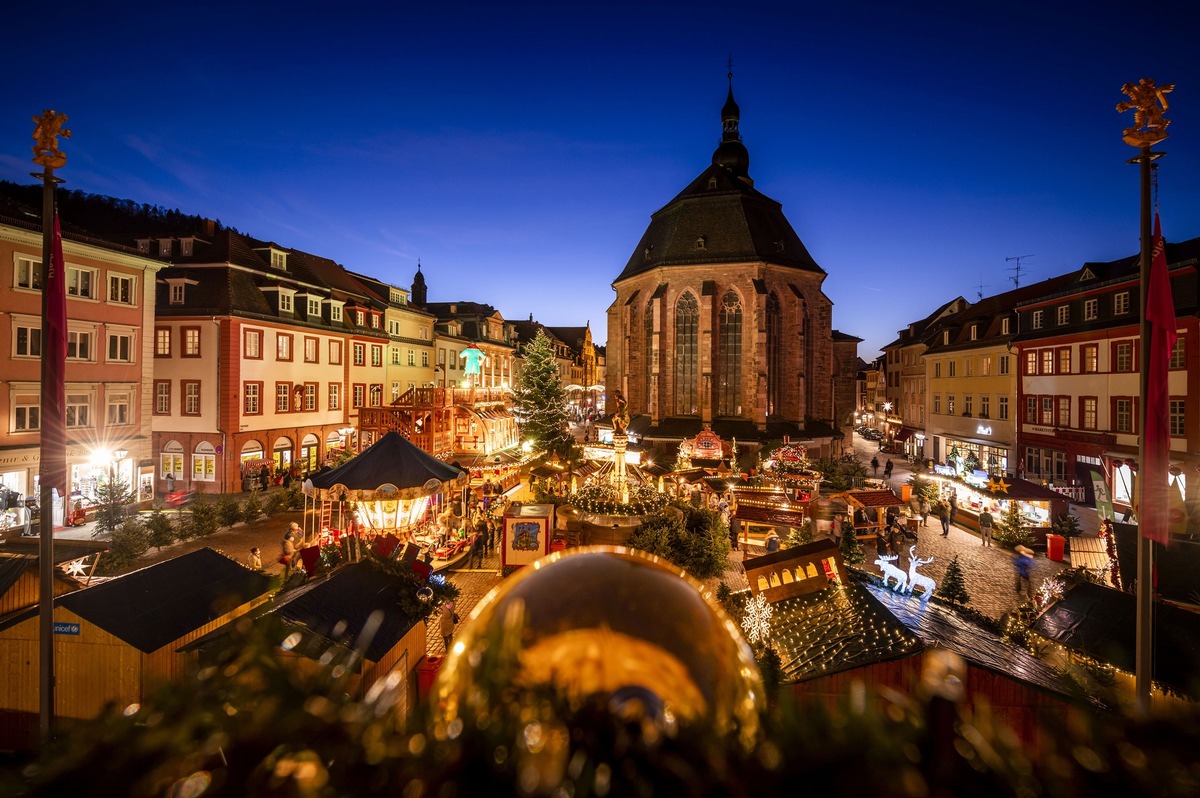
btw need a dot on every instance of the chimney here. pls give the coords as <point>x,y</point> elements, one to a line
<point>210,228</point>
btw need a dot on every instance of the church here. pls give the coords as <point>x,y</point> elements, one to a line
<point>720,322</point>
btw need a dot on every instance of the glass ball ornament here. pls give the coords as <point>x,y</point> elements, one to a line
<point>605,622</point>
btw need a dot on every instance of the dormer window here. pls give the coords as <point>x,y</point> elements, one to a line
<point>285,301</point>
<point>185,246</point>
<point>974,332</point>
<point>164,247</point>
<point>143,246</point>
<point>176,294</point>
<point>1004,326</point>
<point>945,337</point>
<point>335,312</point>
<point>375,321</point>
<point>358,318</point>
<point>278,259</point>
<point>712,182</point>
<point>1037,319</point>
<point>700,242</point>
<point>314,307</point>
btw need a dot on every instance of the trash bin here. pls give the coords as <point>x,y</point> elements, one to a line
<point>427,671</point>
<point>1054,547</point>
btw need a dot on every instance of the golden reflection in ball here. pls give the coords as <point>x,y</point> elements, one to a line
<point>610,622</point>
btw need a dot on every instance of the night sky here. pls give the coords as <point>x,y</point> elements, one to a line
<point>518,149</point>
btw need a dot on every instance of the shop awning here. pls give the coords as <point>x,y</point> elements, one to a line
<point>904,434</point>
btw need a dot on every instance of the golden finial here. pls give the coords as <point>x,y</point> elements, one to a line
<point>1149,127</point>
<point>49,128</point>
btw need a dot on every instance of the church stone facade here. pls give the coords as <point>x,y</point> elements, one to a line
<point>720,320</point>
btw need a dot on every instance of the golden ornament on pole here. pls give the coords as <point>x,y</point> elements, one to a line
<point>49,128</point>
<point>1148,102</point>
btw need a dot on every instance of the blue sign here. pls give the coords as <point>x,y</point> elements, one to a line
<point>61,628</point>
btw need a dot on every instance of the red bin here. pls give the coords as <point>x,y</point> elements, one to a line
<point>427,671</point>
<point>1054,547</point>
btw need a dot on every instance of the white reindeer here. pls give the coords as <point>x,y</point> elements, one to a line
<point>891,572</point>
<point>914,578</point>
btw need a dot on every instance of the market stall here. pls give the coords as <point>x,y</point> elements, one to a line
<point>977,491</point>
<point>869,509</point>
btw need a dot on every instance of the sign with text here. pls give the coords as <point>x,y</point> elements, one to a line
<point>61,628</point>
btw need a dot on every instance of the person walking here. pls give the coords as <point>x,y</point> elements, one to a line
<point>887,469</point>
<point>477,547</point>
<point>287,553</point>
<point>985,528</point>
<point>943,511</point>
<point>1024,564</point>
<point>447,622</point>
<point>953,504</point>
<point>874,466</point>
<point>924,511</point>
<point>881,542</point>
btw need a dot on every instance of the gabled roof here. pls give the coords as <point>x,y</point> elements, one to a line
<point>986,315</point>
<point>161,603</point>
<point>913,333</point>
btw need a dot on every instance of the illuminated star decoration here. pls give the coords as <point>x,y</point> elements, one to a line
<point>998,485</point>
<point>75,567</point>
<point>757,623</point>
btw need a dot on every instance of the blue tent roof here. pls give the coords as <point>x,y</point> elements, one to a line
<point>392,468</point>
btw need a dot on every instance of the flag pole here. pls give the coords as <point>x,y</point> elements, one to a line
<point>1145,99</point>
<point>52,444</point>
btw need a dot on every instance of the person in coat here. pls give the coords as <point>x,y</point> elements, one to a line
<point>447,622</point>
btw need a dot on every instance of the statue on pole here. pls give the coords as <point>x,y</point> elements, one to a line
<point>1148,102</point>
<point>49,128</point>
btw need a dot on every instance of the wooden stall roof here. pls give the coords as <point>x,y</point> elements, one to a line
<point>152,607</point>
<point>336,611</point>
<point>762,514</point>
<point>868,498</point>
<point>66,550</point>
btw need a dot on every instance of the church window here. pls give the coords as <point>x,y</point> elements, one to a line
<point>648,339</point>
<point>729,356</point>
<point>687,359</point>
<point>774,319</point>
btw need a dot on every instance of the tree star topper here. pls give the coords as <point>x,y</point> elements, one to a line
<point>1145,98</point>
<point>998,485</point>
<point>49,128</point>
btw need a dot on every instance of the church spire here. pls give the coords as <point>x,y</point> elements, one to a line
<point>731,154</point>
<point>418,293</point>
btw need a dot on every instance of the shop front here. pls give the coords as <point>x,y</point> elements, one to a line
<point>976,491</point>
<point>968,455</point>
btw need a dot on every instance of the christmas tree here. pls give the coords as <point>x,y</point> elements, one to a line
<point>851,550</point>
<point>953,587</point>
<point>1011,531</point>
<point>542,401</point>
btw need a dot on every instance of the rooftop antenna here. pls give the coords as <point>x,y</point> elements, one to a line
<point>1016,270</point>
<point>979,293</point>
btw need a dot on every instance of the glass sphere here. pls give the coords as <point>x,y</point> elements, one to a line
<point>610,622</point>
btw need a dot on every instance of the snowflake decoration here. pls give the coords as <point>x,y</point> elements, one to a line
<point>757,621</point>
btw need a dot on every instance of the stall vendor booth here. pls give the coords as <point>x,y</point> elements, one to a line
<point>869,509</point>
<point>977,491</point>
<point>526,534</point>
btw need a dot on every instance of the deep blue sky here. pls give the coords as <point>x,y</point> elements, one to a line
<point>519,149</point>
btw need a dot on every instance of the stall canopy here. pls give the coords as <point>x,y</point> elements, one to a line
<point>392,468</point>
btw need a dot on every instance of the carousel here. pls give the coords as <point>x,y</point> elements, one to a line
<point>391,490</point>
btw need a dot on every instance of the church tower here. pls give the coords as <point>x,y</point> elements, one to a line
<point>418,294</point>
<point>719,318</point>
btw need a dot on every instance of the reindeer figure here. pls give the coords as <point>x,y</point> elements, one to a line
<point>891,572</point>
<point>914,578</point>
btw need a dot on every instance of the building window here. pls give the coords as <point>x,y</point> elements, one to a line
<point>1177,411</point>
<point>1091,309</point>
<point>120,347</point>
<point>120,289</point>
<point>1176,361</point>
<point>283,346</point>
<point>968,405</point>
<point>985,366</point>
<point>162,397</point>
<point>176,294</point>
<point>1123,415</point>
<point>335,312</point>
<point>335,353</point>
<point>191,342</point>
<point>27,413</point>
<point>968,369</point>
<point>118,410</point>
<point>252,344</point>
<point>204,466</point>
<point>1004,326</point>
<point>359,395</point>
<point>1088,413</point>
<point>974,332</point>
<point>191,397</point>
<point>1123,356</point>
<point>79,345</point>
<point>335,396</point>
<point>952,368</point>
<point>252,399</point>
<point>376,395</point>
<point>1121,303</point>
<point>81,282</point>
<point>310,350</point>
<point>360,354</point>
<point>1089,356</point>
<point>425,359</point>
<point>687,349</point>
<point>310,396</point>
<point>1004,368</point>
<point>162,342</point>
<point>1037,319</point>
<point>1064,360</point>
<point>1064,314</point>
<point>27,341</point>
<point>314,307</point>
<point>985,406</point>
<point>283,397</point>
<point>1030,409</point>
<point>937,369</point>
<point>376,356</point>
<point>937,403</point>
<point>729,356</point>
<point>1047,361</point>
<point>950,404</point>
<point>285,302</point>
<point>278,259</point>
<point>1031,362</point>
<point>1002,408</point>
<point>375,321</point>
<point>1047,410</point>
<point>78,410</point>
<point>1064,411</point>
<point>412,357</point>
<point>28,273</point>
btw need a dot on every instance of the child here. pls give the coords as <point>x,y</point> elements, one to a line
<point>255,559</point>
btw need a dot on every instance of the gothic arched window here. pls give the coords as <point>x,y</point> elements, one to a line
<point>687,356</point>
<point>729,356</point>
<point>648,341</point>
<point>774,356</point>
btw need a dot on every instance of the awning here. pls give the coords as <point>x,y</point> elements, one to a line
<point>904,434</point>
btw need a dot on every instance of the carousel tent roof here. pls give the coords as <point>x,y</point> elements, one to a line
<point>390,461</point>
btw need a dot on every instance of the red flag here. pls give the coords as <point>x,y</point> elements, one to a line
<point>1160,316</point>
<point>54,355</point>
